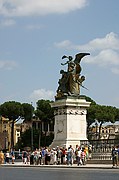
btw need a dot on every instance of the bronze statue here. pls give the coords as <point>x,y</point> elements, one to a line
<point>71,80</point>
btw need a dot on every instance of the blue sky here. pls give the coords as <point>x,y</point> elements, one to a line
<point>35,34</point>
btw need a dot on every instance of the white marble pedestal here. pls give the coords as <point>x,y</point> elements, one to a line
<point>70,122</point>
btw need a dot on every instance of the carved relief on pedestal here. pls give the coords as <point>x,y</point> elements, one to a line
<point>60,126</point>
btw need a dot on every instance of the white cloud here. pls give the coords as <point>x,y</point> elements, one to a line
<point>42,94</point>
<point>8,65</point>
<point>104,58</point>
<point>115,70</point>
<point>35,26</point>
<point>65,44</point>
<point>39,7</point>
<point>110,41</point>
<point>104,51</point>
<point>7,22</point>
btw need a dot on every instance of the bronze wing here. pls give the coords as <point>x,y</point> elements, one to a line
<point>79,56</point>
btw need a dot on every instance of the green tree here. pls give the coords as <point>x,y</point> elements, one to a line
<point>105,114</point>
<point>24,140</point>
<point>11,110</point>
<point>88,99</point>
<point>100,113</point>
<point>45,113</point>
<point>44,110</point>
<point>28,111</point>
<point>90,117</point>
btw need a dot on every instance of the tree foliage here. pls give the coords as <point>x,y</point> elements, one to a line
<point>102,114</point>
<point>28,111</point>
<point>88,99</point>
<point>11,110</point>
<point>25,139</point>
<point>44,110</point>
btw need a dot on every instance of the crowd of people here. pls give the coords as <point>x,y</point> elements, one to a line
<point>57,156</point>
<point>50,156</point>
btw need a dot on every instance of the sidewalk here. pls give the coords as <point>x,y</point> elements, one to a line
<point>94,166</point>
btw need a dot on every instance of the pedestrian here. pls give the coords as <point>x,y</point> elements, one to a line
<point>63,156</point>
<point>70,155</point>
<point>7,157</point>
<point>39,157</point>
<point>118,153</point>
<point>90,152</point>
<point>86,152</point>
<point>32,158</point>
<point>52,157</point>
<point>76,152</point>
<point>1,157</point>
<point>79,161</point>
<point>83,156</point>
<point>114,157</point>
<point>58,155</point>
<point>43,152</point>
<point>55,156</point>
<point>13,155</point>
<point>36,157</point>
<point>24,157</point>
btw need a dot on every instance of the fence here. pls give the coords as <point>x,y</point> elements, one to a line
<point>102,149</point>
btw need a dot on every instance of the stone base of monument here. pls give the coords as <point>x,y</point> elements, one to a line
<point>70,122</point>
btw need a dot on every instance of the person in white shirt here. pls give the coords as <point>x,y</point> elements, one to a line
<point>79,156</point>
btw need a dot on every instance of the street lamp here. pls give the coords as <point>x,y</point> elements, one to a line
<point>40,123</point>
<point>32,136</point>
<point>38,127</point>
<point>31,128</point>
<point>96,125</point>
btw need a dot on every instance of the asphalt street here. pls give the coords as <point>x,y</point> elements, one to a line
<point>37,173</point>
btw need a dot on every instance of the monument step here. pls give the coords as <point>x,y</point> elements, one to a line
<point>97,161</point>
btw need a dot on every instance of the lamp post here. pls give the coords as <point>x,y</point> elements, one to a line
<point>38,128</point>
<point>39,143</point>
<point>5,146</point>
<point>31,128</point>
<point>96,125</point>
<point>32,136</point>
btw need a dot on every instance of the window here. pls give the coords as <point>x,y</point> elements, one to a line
<point>102,130</point>
<point>18,134</point>
<point>4,126</point>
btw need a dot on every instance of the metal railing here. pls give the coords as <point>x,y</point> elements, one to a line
<point>102,149</point>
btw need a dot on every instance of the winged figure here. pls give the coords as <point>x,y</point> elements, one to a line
<point>71,80</point>
<point>79,56</point>
<point>77,61</point>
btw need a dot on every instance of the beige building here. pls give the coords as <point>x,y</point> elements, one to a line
<point>19,126</point>
<point>108,130</point>
<point>5,132</point>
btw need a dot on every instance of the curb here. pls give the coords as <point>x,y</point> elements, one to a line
<point>94,166</point>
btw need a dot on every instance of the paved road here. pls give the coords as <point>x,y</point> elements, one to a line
<point>37,173</point>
